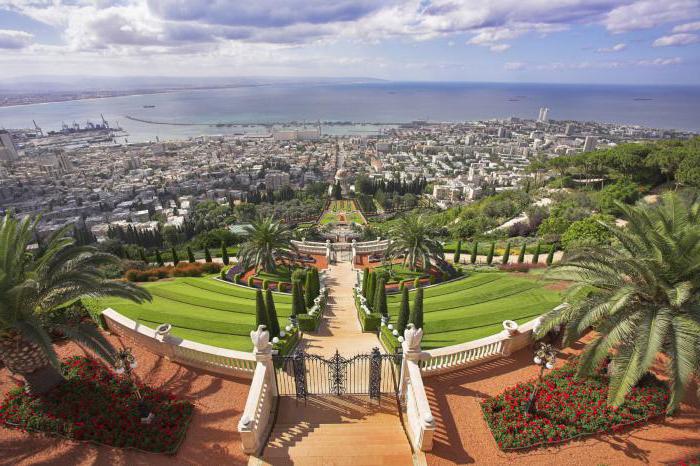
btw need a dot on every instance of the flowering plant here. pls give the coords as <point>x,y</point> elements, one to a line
<point>96,405</point>
<point>568,407</point>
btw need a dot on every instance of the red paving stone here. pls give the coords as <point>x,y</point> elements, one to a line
<point>212,438</point>
<point>462,436</point>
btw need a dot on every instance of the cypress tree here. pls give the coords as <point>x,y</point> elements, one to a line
<point>159,260</point>
<point>309,290</point>
<point>489,257</point>
<point>260,311</point>
<point>370,288</point>
<point>297,299</point>
<point>550,256</point>
<point>536,256</point>
<point>207,254</point>
<point>521,256</point>
<point>142,254</point>
<point>458,252</point>
<point>317,282</point>
<point>506,254</point>
<point>365,282</point>
<point>380,299</point>
<point>472,259</point>
<point>404,311</point>
<point>190,255</point>
<point>176,260</point>
<point>127,256</point>
<point>272,314</point>
<point>224,253</point>
<point>416,317</point>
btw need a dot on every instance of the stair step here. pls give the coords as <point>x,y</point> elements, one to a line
<point>369,460</point>
<point>390,430</point>
<point>387,426</point>
<point>350,451</point>
<point>291,439</point>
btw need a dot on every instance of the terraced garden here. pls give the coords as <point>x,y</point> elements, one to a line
<point>201,309</point>
<point>476,306</point>
<point>344,211</point>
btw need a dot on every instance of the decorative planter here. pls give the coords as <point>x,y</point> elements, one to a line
<point>511,327</point>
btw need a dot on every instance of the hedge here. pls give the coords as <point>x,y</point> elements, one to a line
<point>390,342</point>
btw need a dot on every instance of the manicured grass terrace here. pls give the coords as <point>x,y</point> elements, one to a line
<point>201,309</point>
<point>476,306</point>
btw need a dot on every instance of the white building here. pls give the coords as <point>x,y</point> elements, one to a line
<point>590,143</point>
<point>276,179</point>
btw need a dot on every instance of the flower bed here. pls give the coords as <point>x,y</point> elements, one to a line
<point>96,405</point>
<point>183,269</point>
<point>568,407</point>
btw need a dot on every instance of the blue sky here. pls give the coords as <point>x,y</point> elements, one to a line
<point>563,41</point>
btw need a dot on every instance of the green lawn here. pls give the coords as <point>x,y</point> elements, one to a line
<point>399,272</point>
<point>202,310</point>
<point>476,306</point>
<point>282,274</point>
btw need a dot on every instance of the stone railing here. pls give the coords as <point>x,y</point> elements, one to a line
<point>419,418</point>
<point>311,247</point>
<point>451,358</point>
<point>211,358</point>
<point>257,417</point>
<point>371,247</point>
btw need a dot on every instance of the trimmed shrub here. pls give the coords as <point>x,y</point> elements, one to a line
<point>416,316</point>
<point>365,281</point>
<point>211,267</point>
<point>309,290</point>
<point>307,323</point>
<point>159,259</point>
<point>297,299</point>
<point>176,260</point>
<point>251,281</point>
<point>190,255</point>
<point>506,254</point>
<point>390,342</point>
<point>380,305</point>
<point>489,257</point>
<point>142,255</point>
<point>272,314</point>
<point>475,251</point>
<point>521,255</point>
<point>458,252</point>
<point>416,282</point>
<point>223,274</point>
<point>224,253</point>
<point>371,287</point>
<point>550,256</point>
<point>536,255</point>
<point>280,287</point>
<point>260,311</point>
<point>207,254</point>
<point>265,285</point>
<point>237,278</point>
<point>404,311</point>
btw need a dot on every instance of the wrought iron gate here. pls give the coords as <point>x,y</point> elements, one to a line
<point>302,374</point>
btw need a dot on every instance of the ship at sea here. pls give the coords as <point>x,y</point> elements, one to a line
<point>149,106</point>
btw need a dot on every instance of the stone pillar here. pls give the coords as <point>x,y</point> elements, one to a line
<point>262,349</point>
<point>412,337</point>
<point>510,329</point>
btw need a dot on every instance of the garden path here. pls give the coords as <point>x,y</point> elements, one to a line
<point>340,329</point>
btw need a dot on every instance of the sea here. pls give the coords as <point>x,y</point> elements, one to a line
<point>369,107</point>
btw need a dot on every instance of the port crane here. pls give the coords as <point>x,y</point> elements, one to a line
<point>38,130</point>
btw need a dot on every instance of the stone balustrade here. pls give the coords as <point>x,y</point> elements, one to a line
<point>256,420</point>
<point>198,355</point>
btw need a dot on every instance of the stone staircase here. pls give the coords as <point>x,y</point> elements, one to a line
<point>330,430</point>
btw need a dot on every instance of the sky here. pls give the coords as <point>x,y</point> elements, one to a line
<point>558,41</point>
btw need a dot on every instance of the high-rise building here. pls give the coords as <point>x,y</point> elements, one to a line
<point>590,143</point>
<point>8,151</point>
<point>569,130</point>
<point>543,116</point>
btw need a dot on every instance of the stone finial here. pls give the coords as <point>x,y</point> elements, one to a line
<point>261,339</point>
<point>413,336</point>
<point>511,327</point>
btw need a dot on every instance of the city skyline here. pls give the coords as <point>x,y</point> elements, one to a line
<point>592,42</point>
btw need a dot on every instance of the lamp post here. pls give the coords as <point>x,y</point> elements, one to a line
<point>124,364</point>
<point>545,357</point>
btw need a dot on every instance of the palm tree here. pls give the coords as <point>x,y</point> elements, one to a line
<point>268,241</point>
<point>33,284</point>
<point>642,297</point>
<point>415,239</point>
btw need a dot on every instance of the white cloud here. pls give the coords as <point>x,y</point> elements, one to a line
<point>615,48</point>
<point>499,47</point>
<point>515,65</point>
<point>647,14</point>
<point>676,40</point>
<point>687,27</point>
<point>11,39</point>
